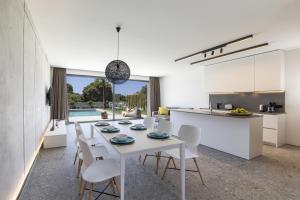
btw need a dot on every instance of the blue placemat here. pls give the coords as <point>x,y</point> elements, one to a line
<point>125,122</point>
<point>102,124</point>
<point>139,127</point>
<point>110,130</point>
<point>158,135</point>
<point>129,140</point>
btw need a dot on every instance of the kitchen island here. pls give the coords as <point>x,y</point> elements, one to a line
<point>237,135</point>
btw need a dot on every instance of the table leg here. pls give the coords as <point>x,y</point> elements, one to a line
<point>122,177</point>
<point>92,131</point>
<point>182,170</point>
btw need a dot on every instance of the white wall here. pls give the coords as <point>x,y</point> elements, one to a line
<point>292,98</point>
<point>24,77</point>
<point>184,88</point>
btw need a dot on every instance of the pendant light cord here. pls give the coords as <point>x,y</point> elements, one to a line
<point>118,45</point>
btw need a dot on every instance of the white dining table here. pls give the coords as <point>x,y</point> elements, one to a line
<point>142,145</point>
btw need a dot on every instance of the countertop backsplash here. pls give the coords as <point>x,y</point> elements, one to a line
<point>250,101</point>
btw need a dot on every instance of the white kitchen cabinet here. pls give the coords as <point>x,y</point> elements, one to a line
<point>231,76</point>
<point>262,72</point>
<point>274,129</point>
<point>269,71</point>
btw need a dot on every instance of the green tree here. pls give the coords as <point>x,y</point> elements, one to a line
<point>144,90</point>
<point>90,103</point>
<point>74,97</point>
<point>94,91</point>
<point>120,97</point>
<point>69,88</point>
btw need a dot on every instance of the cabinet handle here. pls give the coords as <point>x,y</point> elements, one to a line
<point>270,128</point>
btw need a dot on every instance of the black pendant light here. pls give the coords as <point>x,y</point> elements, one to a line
<point>117,71</point>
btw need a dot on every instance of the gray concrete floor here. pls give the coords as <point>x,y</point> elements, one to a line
<point>274,176</point>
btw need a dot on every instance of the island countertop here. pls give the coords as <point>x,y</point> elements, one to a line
<point>238,135</point>
<point>219,113</point>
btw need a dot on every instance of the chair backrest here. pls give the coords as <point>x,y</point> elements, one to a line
<point>149,122</point>
<point>190,135</point>
<point>86,152</point>
<point>78,130</point>
<point>165,126</point>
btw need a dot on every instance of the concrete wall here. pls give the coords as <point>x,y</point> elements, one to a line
<point>292,96</point>
<point>24,77</point>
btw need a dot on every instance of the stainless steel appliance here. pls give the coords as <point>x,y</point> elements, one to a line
<point>228,106</point>
<point>262,108</point>
<point>272,107</point>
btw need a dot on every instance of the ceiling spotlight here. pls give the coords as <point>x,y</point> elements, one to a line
<point>221,50</point>
<point>205,55</point>
<point>212,53</point>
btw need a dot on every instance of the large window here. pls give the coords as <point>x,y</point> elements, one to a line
<point>90,99</point>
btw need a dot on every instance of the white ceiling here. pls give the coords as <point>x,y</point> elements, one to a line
<point>80,34</point>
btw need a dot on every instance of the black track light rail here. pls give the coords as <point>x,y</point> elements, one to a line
<point>229,53</point>
<point>215,47</point>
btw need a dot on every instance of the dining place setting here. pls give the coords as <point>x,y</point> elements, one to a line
<point>121,139</point>
<point>125,139</point>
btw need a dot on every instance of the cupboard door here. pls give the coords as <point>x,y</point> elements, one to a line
<point>231,76</point>
<point>270,121</point>
<point>269,71</point>
<point>270,136</point>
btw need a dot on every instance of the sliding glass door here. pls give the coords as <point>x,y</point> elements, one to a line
<point>131,99</point>
<point>90,99</point>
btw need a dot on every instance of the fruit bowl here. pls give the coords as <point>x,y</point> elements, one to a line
<point>240,112</point>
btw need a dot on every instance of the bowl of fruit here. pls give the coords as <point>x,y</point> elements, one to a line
<point>240,112</point>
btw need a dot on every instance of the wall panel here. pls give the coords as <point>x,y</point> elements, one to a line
<point>38,94</point>
<point>24,77</point>
<point>11,96</point>
<point>29,90</point>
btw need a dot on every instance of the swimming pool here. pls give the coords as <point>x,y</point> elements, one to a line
<point>84,112</point>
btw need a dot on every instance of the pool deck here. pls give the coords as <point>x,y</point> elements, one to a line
<point>97,118</point>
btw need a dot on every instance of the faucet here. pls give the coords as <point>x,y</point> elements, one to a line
<point>210,107</point>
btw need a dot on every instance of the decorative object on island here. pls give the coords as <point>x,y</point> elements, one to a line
<point>240,112</point>
<point>104,115</point>
<point>117,72</point>
<point>162,113</point>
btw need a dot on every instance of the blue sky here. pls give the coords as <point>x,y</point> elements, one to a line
<point>129,87</point>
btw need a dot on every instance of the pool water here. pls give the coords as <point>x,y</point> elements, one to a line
<point>78,113</point>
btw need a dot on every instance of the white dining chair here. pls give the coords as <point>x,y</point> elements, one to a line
<point>90,141</point>
<point>98,151</point>
<point>96,171</point>
<point>191,136</point>
<point>163,126</point>
<point>149,122</point>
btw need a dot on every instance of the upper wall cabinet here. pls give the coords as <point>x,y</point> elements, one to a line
<point>269,71</point>
<point>263,72</point>
<point>231,76</point>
